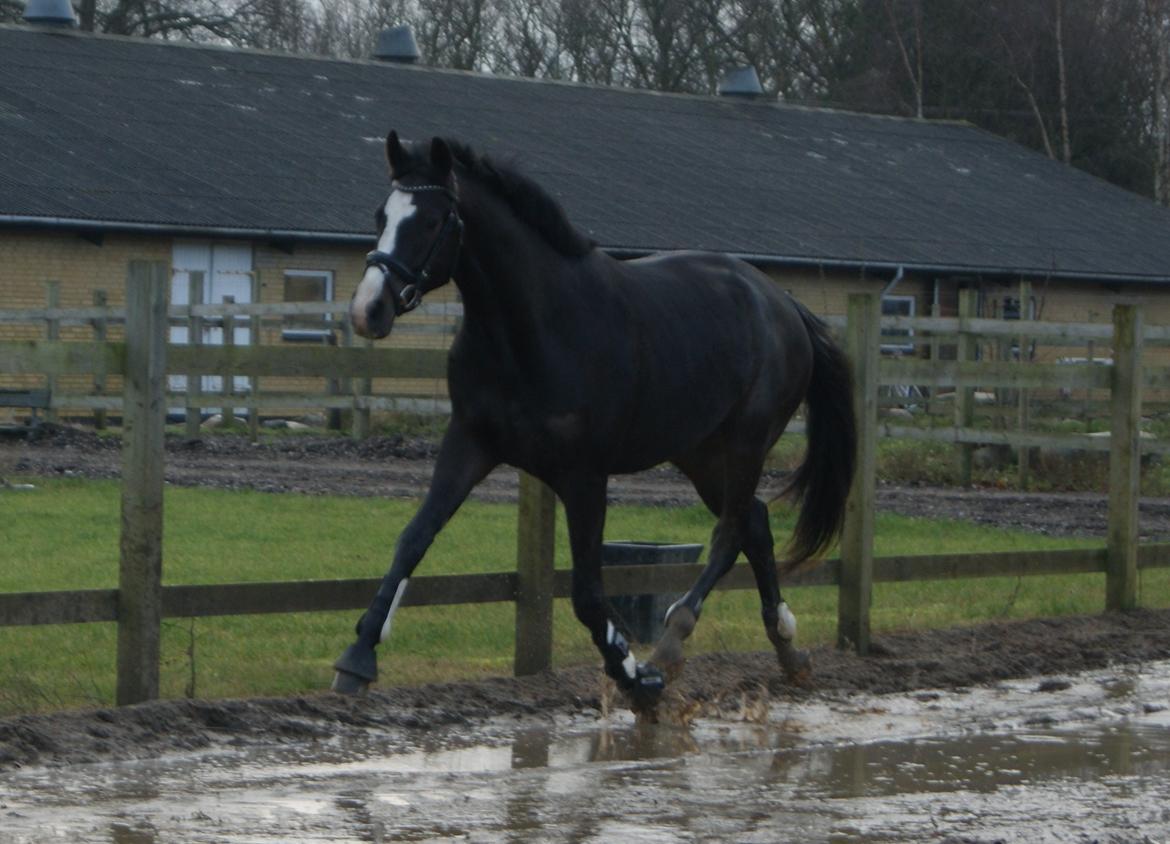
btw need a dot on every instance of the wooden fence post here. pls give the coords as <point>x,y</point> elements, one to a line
<point>345,386</point>
<point>855,592</point>
<point>1024,407</point>
<point>143,421</point>
<point>227,413</point>
<point>100,335</point>
<point>254,327</point>
<point>935,346</point>
<point>363,388</point>
<point>194,411</point>
<point>535,547</point>
<point>1124,459</point>
<point>52,332</point>
<point>965,396</point>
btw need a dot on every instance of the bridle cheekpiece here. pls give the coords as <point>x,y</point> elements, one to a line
<point>417,282</point>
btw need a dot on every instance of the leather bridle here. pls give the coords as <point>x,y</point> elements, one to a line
<point>417,282</point>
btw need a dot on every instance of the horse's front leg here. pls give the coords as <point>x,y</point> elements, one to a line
<point>584,500</point>
<point>461,464</point>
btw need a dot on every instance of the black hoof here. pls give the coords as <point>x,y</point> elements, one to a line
<point>355,670</point>
<point>646,689</point>
<point>797,665</point>
<point>352,685</point>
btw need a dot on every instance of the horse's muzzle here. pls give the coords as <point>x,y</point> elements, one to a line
<point>370,311</point>
<point>376,321</point>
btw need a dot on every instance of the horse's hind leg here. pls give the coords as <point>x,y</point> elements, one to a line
<point>744,527</point>
<point>727,490</point>
<point>779,623</point>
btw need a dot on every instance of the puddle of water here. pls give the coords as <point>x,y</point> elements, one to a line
<point>980,765</point>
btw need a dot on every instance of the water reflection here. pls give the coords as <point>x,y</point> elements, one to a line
<point>120,833</point>
<point>713,781</point>
<point>980,763</point>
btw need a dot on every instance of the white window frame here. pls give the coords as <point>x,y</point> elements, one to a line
<point>900,348</point>
<point>308,335</point>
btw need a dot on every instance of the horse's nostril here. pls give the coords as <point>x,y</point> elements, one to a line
<point>376,312</point>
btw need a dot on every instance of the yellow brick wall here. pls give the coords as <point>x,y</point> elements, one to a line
<point>28,259</point>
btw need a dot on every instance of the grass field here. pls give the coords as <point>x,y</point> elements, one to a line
<point>64,535</point>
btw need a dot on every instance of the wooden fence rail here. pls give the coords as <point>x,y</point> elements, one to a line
<point>142,599</point>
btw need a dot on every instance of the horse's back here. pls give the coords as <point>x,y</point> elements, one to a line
<point>720,348</point>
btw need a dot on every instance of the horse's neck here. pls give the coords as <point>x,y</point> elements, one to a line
<point>507,277</point>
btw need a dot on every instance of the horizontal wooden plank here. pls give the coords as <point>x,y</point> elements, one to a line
<point>677,578</point>
<point>262,402</point>
<point>898,569</point>
<point>1076,332</point>
<point>308,361</point>
<point>283,309</point>
<point>65,316</point>
<point>55,357</point>
<point>115,313</point>
<point>24,398</point>
<point>1015,439</point>
<point>992,374</point>
<point>1154,556</point>
<point>65,607</point>
<point>978,436</point>
<point>203,600</point>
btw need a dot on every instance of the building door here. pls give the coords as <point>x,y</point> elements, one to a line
<point>227,271</point>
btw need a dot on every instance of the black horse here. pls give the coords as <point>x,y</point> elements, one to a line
<point>574,366</point>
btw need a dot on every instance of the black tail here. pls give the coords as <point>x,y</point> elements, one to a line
<point>820,486</point>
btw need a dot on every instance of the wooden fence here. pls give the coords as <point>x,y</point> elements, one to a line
<point>144,359</point>
<point>345,379</point>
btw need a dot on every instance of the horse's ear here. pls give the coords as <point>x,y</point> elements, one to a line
<point>395,154</point>
<point>441,158</point>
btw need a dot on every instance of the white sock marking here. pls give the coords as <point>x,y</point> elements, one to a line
<point>786,625</point>
<point>393,609</point>
<point>631,666</point>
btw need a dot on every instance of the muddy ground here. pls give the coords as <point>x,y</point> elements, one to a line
<point>392,466</point>
<point>712,685</point>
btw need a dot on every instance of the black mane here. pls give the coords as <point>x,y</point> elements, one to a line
<point>531,203</point>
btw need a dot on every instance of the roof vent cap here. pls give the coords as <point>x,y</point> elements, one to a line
<point>50,13</point>
<point>397,44</point>
<point>742,81</point>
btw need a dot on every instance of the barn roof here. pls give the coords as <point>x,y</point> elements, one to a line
<point>129,134</point>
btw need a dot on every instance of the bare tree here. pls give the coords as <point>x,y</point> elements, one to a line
<point>289,25</point>
<point>1062,73</point>
<point>193,20</point>
<point>11,10</point>
<point>592,34</point>
<point>455,33</point>
<point>665,41</point>
<point>529,38</point>
<point>1156,29</point>
<point>1016,58</point>
<point>912,60</point>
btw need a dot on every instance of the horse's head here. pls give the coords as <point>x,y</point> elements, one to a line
<point>419,235</point>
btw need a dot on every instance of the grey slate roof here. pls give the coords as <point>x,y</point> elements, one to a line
<point>131,133</point>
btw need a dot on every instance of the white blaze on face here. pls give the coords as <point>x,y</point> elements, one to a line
<point>399,207</point>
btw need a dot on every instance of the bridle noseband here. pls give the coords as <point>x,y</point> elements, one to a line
<point>418,282</point>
